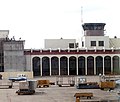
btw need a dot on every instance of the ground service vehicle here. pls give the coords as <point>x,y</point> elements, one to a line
<point>19,77</point>
<point>65,81</point>
<point>6,84</point>
<point>83,84</point>
<point>43,83</point>
<point>85,94</point>
<point>26,88</point>
<point>107,83</point>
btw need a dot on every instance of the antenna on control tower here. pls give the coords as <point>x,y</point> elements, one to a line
<point>81,19</point>
<point>81,15</point>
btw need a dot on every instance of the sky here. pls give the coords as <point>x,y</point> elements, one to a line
<point>36,20</point>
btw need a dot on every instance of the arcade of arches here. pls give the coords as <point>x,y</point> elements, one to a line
<point>90,65</point>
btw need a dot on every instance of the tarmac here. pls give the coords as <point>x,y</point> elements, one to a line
<point>54,93</point>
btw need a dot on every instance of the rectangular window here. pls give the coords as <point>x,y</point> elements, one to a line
<point>76,45</point>
<point>93,43</point>
<point>101,43</point>
<point>71,45</point>
<point>82,44</point>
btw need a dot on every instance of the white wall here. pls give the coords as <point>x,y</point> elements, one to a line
<point>88,39</point>
<point>58,43</point>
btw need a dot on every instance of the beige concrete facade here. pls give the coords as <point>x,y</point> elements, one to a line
<point>114,42</point>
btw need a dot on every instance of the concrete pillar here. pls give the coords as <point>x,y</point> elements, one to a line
<point>103,67</point>
<point>50,66</point>
<point>59,65</point>
<point>86,66</point>
<point>94,66</point>
<point>30,63</point>
<point>77,65</point>
<point>41,65</point>
<point>68,66</point>
<point>111,65</point>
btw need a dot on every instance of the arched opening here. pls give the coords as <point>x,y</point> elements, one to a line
<point>90,65</point>
<point>54,66</point>
<point>107,64</point>
<point>45,66</point>
<point>72,65</point>
<point>99,65</point>
<point>116,69</point>
<point>81,65</point>
<point>36,66</point>
<point>63,66</point>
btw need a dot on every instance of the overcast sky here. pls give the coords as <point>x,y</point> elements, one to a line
<point>36,20</point>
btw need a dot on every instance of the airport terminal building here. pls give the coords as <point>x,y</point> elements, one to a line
<point>93,54</point>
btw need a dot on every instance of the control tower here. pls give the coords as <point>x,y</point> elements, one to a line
<point>94,36</point>
<point>93,29</point>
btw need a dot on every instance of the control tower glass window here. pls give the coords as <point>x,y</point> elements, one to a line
<point>93,43</point>
<point>101,43</point>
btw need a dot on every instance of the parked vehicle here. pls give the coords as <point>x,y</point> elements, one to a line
<point>84,94</point>
<point>26,87</point>
<point>107,82</point>
<point>43,83</point>
<point>19,77</point>
<point>6,84</point>
<point>65,81</point>
<point>83,84</point>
